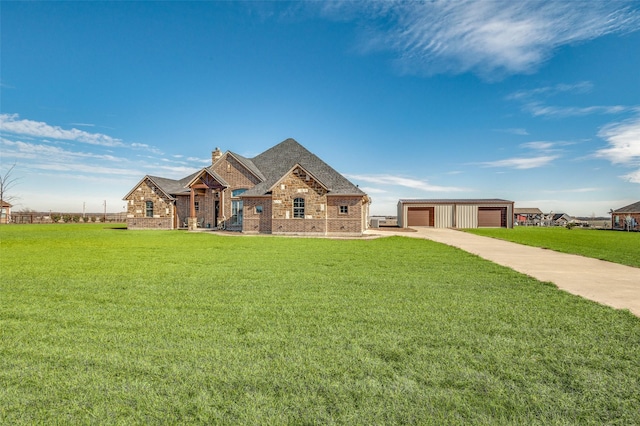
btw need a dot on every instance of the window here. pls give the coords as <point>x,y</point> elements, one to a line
<point>236,207</point>
<point>149,206</point>
<point>258,209</point>
<point>298,208</point>
<point>344,209</point>
<point>196,205</point>
<point>236,212</point>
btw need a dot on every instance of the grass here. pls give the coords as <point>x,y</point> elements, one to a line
<point>108,326</point>
<point>613,246</point>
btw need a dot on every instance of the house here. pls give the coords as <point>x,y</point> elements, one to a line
<point>5,212</point>
<point>452,213</point>
<point>284,190</point>
<point>527,216</point>
<point>627,217</point>
<point>560,219</point>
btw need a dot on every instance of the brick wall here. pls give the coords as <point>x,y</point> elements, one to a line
<point>352,221</point>
<point>149,223</point>
<point>257,222</point>
<point>137,208</point>
<point>299,226</point>
<point>182,209</point>
<point>238,177</point>
<point>622,217</point>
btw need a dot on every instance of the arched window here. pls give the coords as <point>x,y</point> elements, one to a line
<point>149,208</point>
<point>298,208</point>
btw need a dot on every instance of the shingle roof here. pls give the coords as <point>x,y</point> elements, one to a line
<point>172,186</point>
<point>275,162</point>
<point>269,167</point>
<point>631,208</point>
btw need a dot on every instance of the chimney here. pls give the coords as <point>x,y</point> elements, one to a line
<point>215,155</point>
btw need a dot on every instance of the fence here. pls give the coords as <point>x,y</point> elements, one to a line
<point>36,217</point>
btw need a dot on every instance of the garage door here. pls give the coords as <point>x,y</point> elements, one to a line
<point>420,216</point>
<point>491,217</point>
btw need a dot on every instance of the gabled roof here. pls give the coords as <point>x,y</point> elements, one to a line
<point>295,166</point>
<point>246,163</point>
<point>631,208</point>
<point>212,173</point>
<point>5,204</point>
<point>527,210</point>
<point>279,160</point>
<point>170,187</point>
<point>269,167</point>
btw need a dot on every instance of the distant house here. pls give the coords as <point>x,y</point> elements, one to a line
<point>5,212</point>
<point>560,219</point>
<point>284,190</point>
<point>627,217</point>
<point>527,216</point>
<point>455,213</point>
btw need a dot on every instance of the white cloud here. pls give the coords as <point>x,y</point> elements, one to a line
<point>522,163</point>
<point>541,146</point>
<point>633,177</point>
<point>580,87</point>
<point>403,181</point>
<point>532,104</point>
<point>624,142</point>
<point>11,123</point>
<point>84,168</point>
<point>486,37</point>
<point>53,158</point>
<point>51,153</point>
<point>372,190</point>
<point>538,110</point>
<point>514,131</point>
<point>574,190</point>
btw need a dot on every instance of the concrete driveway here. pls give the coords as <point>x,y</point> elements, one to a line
<point>608,283</point>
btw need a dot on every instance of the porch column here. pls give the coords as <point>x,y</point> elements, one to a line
<point>192,222</point>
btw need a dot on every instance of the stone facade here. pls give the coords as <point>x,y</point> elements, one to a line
<point>162,212</point>
<point>299,184</point>
<point>276,202</point>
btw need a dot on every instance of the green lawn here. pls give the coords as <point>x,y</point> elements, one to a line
<point>614,246</point>
<point>109,326</point>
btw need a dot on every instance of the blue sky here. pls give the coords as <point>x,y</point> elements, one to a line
<point>535,102</point>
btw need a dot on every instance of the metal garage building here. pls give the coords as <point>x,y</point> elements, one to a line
<point>471,213</point>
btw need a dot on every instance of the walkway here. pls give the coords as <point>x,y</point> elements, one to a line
<point>608,283</point>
